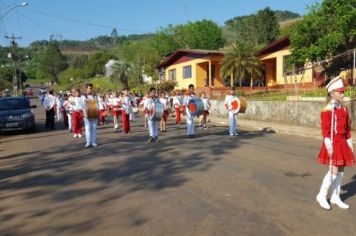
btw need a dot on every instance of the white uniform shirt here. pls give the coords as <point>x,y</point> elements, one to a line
<point>164,101</point>
<point>206,103</point>
<point>228,101</point>
<point>77,104</point>
<point>177,101</point>
<point>49,102</point>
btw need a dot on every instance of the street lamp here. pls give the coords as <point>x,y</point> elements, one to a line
<point>12,8</point>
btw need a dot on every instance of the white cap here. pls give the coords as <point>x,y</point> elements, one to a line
<point>336,83</point>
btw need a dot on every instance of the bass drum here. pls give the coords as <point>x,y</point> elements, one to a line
<point>156,111</point>
<point>239,105</point>
<point>196,107</point>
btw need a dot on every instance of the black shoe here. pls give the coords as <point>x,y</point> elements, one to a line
<point>151,140</point>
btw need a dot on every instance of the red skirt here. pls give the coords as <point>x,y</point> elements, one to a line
<point>206,113</point>
<point>165,115</point>
<point>342,156</point>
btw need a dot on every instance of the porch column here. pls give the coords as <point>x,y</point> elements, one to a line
<point>209,73</point>
<point>232,80</point>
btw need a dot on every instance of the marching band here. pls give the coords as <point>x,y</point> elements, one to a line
<point>91,110</point>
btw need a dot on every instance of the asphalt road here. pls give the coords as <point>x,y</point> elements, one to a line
<point>258,183</point>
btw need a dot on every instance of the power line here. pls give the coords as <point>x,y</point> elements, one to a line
<point>85,22</point>
<point>48,30</point>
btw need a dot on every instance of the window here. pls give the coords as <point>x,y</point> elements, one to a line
<point>288,69</point>
<point>187,72</point>
<point>172,74</point>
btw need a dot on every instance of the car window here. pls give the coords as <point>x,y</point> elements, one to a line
<point>14,104</point>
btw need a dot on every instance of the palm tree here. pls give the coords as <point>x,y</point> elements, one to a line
<point>121,72</point>
<point>239,62</point>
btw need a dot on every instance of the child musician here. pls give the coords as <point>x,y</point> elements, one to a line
<point>232,116</point>
<point>207,106</point>
<point>115,104</point>
<point>164,100</point>
<point>77,114</point>
<point>178,104</point>
<point>152,124</point>
<point>91,114</point>
<point>125,112</point>
<point>102,110</point>
<point>189,117</point>
<point>336,150</point>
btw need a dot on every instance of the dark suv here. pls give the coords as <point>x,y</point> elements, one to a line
<point>16,114</point>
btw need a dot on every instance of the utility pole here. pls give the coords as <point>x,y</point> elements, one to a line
<point>13,55</point>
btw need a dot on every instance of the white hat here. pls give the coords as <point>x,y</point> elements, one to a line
<point>336,84</point>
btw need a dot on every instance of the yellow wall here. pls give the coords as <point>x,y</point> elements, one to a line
<point>199,73</point>
<point>308,75</point>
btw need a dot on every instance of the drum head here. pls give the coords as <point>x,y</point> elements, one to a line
<point>192,107</point>
<point>236,105</point>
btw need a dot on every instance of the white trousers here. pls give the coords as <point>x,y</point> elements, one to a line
<point>232,122</point>
<point>190,124</point>
<point>90,130</point>
<point>153,128</point>
<point>69,115</point>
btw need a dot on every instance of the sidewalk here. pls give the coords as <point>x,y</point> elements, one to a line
<point>303,131</point>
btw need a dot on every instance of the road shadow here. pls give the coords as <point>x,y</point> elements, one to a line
<point>350,189</point>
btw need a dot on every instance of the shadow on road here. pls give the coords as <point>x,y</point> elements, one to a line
<point>350,189</point>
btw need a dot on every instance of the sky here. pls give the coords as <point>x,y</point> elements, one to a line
<point>41,18</point>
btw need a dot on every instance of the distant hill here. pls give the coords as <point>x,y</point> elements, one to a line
<point>93,44</point>
<point>281,16</point>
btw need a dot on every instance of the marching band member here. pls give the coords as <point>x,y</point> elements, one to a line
<point>64,111</point>
<point>77,114</point>
<point>134,100</point>
<point>232,116</point>
<point>336,150</point>
<point>68,108</point>
<point>164,100</point>
<point>178,105</point>
<point>91,113</point>
<point>115,104</point>
<point>207,106</point>
<point>125,112</point>
<point>152,124</point>
<point>145,97</point>
<point>189,117</point>
<point>58,107</point>
<point>49,103</point>
<point>102,110</point>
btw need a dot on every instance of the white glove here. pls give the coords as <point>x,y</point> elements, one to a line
<point>349,142</point>
<point>330,151</point>
<point>327,142</point>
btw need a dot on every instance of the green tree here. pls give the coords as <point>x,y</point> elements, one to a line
<point>328,29</point>
<point>96,62</point>
<point>52,62</point>
<point>266,26</point>
<point>204,34</point>
<point>114,35</point>
<point>240,62</point>
<point>121,73</point>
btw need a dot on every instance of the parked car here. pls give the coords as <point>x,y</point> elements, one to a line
<point>16,114</point>
<point>28,91</point>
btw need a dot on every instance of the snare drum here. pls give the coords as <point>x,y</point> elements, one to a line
<point>196,107</point>
<point>135,109</point>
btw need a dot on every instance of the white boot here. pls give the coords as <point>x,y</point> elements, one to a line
<point>321,197</point>
<point>335,197</point>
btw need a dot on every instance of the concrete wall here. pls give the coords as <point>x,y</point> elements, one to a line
<point>288,112</point>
